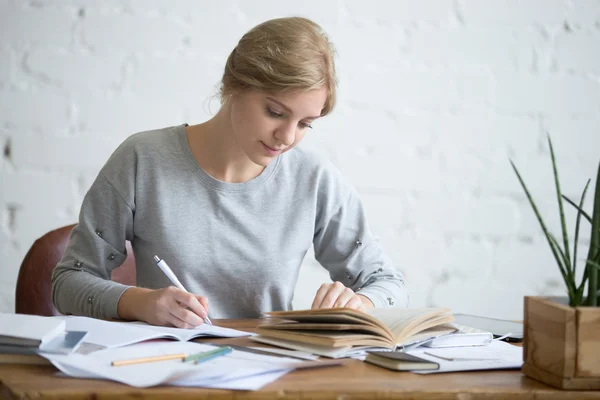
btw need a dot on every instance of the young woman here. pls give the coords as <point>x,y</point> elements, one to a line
<point>230,204</point>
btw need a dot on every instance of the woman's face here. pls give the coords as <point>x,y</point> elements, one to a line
<point>266,125</point>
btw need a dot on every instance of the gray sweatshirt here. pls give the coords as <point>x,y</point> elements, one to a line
<point>239,244</point>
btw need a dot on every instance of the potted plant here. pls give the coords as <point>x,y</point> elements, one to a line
<point>562,341</point>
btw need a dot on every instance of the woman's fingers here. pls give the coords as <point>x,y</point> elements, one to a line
<point>335,290</point>
<point>319,296</point>
<point>344,298</point>
<point>355,303</point>
<point>332,295</point>
<point>204,301</point>
<point>191,301</point>
<point>177,322</point>
<point>173,306</point>
<point>185,315</point>
<point>182,309</point>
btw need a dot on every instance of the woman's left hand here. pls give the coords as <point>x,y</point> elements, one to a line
<point>335,295</point>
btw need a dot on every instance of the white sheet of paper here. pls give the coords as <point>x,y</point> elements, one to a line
<point>254,382</point>
<point>98,364</point>
<point>496,355</point>
<point>232,371</point>
<point>115,334</point>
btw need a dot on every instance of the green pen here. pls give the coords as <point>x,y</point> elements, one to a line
<point>208,355</point>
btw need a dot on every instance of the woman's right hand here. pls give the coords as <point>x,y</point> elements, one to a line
<point>169,306</point>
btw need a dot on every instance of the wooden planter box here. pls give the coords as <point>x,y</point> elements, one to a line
<point>561,345</point>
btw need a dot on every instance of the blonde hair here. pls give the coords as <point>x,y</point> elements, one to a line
<point>279,55</point>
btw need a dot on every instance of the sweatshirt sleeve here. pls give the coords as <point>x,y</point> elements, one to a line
<point>347,248</point>
<point>81,283</point>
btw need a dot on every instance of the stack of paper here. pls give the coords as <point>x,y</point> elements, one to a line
<point>31,335</point>
<point>237,370</point>
<point>28,330</point>
<point>23,334</point>
<point>325,351</point>
<point>464,336</point>
<point>496,355</point>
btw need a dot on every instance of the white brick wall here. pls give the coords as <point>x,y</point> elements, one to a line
<point>434,97</point>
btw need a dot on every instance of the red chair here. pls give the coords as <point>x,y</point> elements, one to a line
<point>34,286</point>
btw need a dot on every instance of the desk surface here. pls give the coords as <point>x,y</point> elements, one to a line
<point>354,379</point>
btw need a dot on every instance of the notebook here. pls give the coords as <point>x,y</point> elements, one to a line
<point>400,361</point>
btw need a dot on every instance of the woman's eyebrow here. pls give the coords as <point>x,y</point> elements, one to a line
<point>287,108</point>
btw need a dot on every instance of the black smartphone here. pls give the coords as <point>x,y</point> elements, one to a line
<point>498,327</point>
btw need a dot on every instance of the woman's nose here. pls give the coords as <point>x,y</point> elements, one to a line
<point>286,134</point>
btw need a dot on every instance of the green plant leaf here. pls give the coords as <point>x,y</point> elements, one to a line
<point>583,280</point>
<point>563,222</point>
<point>576,240</point>
<point>579,296</point>
<point>593,264</point>
<point>594,244</point>
<point>585,272</point>
<point>569,280</point>
<point>579,209</point>
<point>542,224</point>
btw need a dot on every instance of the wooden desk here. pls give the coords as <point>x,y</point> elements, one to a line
<point>353,380</point>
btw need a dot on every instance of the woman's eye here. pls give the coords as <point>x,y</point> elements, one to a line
<point>273,113</point>
<point>305,125</point>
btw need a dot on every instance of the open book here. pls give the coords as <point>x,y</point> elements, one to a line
<point>342,327</point>
<point>116,334</point>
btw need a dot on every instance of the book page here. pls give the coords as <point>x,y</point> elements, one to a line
<point>326,327</point>
<point>328,338</point>
<point>404,322</point>
<point>395,324</point>
<point>334,315</point>
<point>422,337</point>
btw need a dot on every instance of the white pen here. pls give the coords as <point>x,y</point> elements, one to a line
<point>169,273</point>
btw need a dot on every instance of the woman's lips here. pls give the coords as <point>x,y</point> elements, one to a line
<point>272,151</point>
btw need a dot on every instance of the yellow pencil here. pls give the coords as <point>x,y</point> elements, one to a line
<point>148,359</point>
